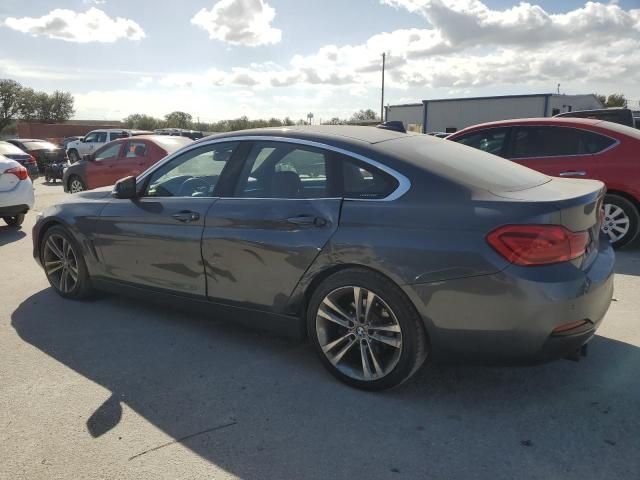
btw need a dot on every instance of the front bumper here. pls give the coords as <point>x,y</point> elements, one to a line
<point>508,317</point>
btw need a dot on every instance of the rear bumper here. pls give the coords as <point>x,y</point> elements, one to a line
<point>13,210</point>
<point>509,317</point>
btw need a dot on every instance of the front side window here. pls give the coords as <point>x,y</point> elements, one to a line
<point>91,137</point>
<point>491,140</point>
<point>193,174</point>
<point>108,152</point>
<point>135,149</point>
<point>281,170</point>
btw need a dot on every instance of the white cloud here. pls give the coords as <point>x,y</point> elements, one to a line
<point>239,22</point>
<point>83,27</point>
<point>144,81</point>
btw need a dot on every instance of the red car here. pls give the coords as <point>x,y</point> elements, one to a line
<point>574,147</point>
<point>118,159</point>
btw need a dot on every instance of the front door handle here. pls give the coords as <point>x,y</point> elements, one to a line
<point>308,220</point>
<point>186,216</point>
<point>572,173</point>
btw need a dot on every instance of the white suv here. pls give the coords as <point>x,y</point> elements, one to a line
<point>95,139</point>
<point>16,192</point>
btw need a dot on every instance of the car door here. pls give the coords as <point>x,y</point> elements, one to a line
<point>154,240</point>
<point>262,236</point>
<point>101,169</point>
<point>133,158</point>
<point>553,150</point>
<point>86,144</point>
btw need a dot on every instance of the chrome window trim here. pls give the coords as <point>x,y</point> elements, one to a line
<point>404,184</point>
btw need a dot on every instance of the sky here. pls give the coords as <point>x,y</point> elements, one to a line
<point>221,59</point>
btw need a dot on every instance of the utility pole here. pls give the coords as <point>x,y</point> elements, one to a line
<point>384,56</point>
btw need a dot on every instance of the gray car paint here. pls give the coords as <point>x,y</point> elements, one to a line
<point>430,241</point>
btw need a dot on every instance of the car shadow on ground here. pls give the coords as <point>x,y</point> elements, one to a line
<point>10,235</point>
<point>261,406</point>
<point>628,261</point>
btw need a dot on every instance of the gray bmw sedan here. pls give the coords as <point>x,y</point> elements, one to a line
<point>384,248</point>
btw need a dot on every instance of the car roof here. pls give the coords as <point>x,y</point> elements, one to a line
<point>29,140</point>
<point>568,121</point>
<point>343,133</point>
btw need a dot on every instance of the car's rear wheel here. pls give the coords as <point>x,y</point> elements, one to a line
<point>365,330</point>
<point>64,265</point>
<point>621,221</point>
<point>74,156</point>
<point>14,220</point>
<point>76,185</point>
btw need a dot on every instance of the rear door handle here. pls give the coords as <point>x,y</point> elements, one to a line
<point>573,173</point>
<point>307,220</point>
<point>186,216</point>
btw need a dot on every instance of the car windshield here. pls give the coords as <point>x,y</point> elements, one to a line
<point>459,163</point>
<point>171,144</point>
<point>9,149</point>
<point>39,145</point>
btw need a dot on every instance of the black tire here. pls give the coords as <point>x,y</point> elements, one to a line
<point>75,178</point>
<point>414,338</point>
<point>631,212</point>
<point>74,156</point>
<point>82,287</point>
<point>15,220</point>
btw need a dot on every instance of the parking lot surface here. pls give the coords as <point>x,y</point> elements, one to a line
<point>118,388</point>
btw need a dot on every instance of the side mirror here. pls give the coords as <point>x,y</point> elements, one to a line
<point>125,188</point>
<point>88,157</point>
<point>83,139</point>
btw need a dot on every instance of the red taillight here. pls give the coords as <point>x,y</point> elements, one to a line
<point>530,245</point>
<point>19,172</point>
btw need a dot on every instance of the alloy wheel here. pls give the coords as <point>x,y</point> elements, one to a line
<point>76,186</point>
<point>358,333</point>
<point>60,263</point>
<point>616,222</point>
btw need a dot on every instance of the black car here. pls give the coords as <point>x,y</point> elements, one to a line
<point>387,248</point>
<point>23,158</point>
<point>44,152</point>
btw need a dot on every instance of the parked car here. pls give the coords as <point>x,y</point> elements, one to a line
<point>44,152</point>
<point>623,116</point>
<point>95,139</point>
<point>573,147</point>
<point>28,161</point>
<point>118,159</point>
<point>180,132</point>
<point>16,192</point>
<point>407,247</point>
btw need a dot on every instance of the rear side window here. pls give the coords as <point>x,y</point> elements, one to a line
<point>101,137</point>
<point>539,141</point>
<point>135,149</point>
<point>362,181</point>
<point>115,135</point>
<point>491,140</point>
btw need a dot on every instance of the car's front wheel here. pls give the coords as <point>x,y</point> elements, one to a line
<point>621,222</point>
<point>76,185</point>
<point>15,220</point>
<point>365,330</point>
<point>63,264</point>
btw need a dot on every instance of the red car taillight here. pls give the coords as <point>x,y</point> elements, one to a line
<point>530,245</point>
<point>19,172</point>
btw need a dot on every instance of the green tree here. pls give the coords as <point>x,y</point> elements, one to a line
<point>178,120</point>
<point>613,100</point>
<point>364,115</point>
<point>60,106</point>
<point>335,121</point>
<point>141,121</point>
<point>10,91</point>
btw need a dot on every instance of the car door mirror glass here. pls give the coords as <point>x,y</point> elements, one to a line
<point>125,188</point>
